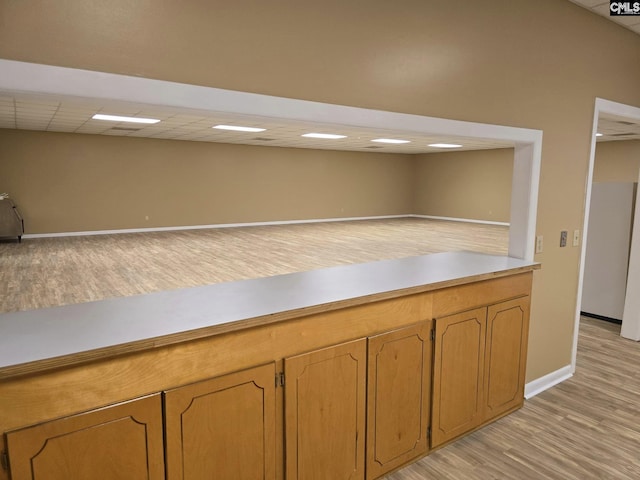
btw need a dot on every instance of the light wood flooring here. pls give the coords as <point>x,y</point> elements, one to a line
<point>587,427</point>
<point>46,272</point>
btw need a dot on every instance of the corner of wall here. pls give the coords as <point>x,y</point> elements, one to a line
<point>552,379</point>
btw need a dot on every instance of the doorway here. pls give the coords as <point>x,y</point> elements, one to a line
<point>631,312</point>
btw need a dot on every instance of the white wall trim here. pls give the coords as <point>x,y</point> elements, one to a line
<point>524,198</point>
<point>585,227</point>
<point>631,315</point>
<point>204,227</point>
<point>541,384</point>
<point>465,220</point>
<point>251,224</point>
<point>70,82</point>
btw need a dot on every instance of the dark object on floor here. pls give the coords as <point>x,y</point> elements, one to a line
<point>11,222</point>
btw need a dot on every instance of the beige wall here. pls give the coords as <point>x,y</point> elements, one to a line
<point>474,185</point>
<point>71,182</point>
<point>510,62</point>
<point>617,161</point>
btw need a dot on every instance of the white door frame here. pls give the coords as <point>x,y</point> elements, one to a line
<point>631,316</point>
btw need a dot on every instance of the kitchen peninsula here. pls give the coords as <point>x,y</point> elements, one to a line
<point>343,372</point>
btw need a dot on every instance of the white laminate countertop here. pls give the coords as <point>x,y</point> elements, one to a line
<point>49,337</point>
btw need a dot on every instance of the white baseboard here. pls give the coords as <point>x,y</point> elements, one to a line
<point>249,224</point>
<point>467,220</point>
<point>541,384</point>
<point>202,227</point>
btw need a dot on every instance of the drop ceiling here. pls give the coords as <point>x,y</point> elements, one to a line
<point>632,22</point>
<point>616,128</point>
<point>73,115</point>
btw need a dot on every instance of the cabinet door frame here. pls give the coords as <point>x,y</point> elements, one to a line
<point>377,466</point>
<point>518,354</point>
<point>298,366</point>
<point>179,400</point>
<point>25,444</point>
<point>441,433</point>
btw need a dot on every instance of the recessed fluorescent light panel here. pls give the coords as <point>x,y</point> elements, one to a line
<point>238,128</point>
<point>445,145</point>
<point>329,136</point>
<point>119,118</point>
<point>390,140</point>
<point>599,134</point>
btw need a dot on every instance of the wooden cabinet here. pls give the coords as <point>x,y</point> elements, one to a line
<point>344,394</point>
<point>479,367</point>
<point>458,374</point>
<point>399,390</point>
<point>120,442</point>
<point>223,427</point>
<point>506,356</point>
<point>391,387</point>
<point>325,403</point>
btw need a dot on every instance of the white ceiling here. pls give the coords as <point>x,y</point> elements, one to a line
<point>618,128</point>
<point>73,115</point>
<point>632,22</point>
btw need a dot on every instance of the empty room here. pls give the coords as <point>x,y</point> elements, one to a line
<point>294,240</point>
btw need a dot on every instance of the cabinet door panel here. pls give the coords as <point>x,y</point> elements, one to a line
<point>399,388</point>
<point>223,427</point>
<point>325,413</point>
<point>121,442</point>
<point>507,334</point>
<point>458,377</point>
